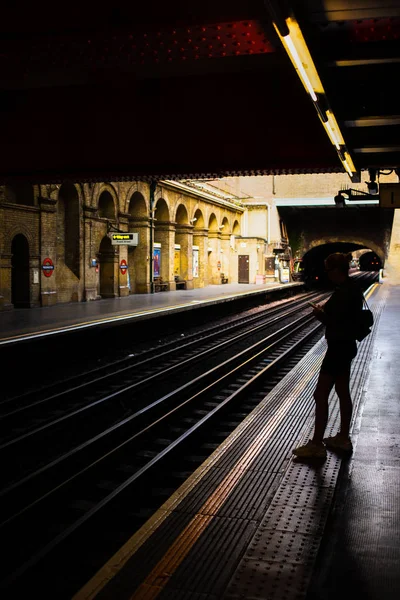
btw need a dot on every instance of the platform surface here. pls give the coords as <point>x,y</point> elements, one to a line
<point>360,556</point>
<point>252,523</point>
<point>19,322</point>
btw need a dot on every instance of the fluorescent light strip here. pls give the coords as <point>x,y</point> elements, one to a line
<point>346,166</point>
<point>349,161</point>
<point>331,126</point>
<point>332,135</point>
<point>299,65</point>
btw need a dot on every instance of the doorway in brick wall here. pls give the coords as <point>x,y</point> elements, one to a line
<point>20,293</point>
<point>243,275</point>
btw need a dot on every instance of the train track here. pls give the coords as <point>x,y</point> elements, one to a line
<point>117,470</point>
<point>40,427</point>
<point>140,448</point>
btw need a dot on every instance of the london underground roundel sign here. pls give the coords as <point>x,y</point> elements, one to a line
<point>47,267</point>
<point>123,266</point>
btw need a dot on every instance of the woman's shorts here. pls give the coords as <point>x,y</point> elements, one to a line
<point>338,357</point>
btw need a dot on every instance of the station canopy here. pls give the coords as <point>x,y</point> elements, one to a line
<point>198,89</point>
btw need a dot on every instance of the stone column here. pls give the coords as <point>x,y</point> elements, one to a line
<point>214,258</point>
<point>90,270</point>
<point>110,265</point>
<point>200,239</point>
<point>139,258</point>
<point>34,281</point>
<point>5,281</point>
<point>165,234</point>
<point>184,237</point>
<point>123,288</point>
<point>225,255</point>
<point>48,249</point>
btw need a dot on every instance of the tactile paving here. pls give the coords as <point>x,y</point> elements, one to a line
<point>272,539</point>
<point>279,561</point>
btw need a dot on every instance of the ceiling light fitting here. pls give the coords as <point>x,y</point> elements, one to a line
<point>296,47</point>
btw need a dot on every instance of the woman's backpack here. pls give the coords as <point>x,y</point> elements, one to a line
<point>364,322</point>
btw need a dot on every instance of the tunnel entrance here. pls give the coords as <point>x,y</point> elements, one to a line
<point>369,261</point>
<point>313,267</point>
<point>20,295</point>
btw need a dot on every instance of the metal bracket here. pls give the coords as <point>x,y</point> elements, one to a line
<point>111,227</point>
<point>354,195</point>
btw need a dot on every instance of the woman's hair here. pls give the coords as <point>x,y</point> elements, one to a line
<point>338,260</point>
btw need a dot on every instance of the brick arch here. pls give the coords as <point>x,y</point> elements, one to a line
<point>198,214</point>
<point>106,187</point>
<point>164,208</point>
<point>9,235</point>
<point>137,205</point>
<point>54,191</point>
<point>212,222</point>
<point>138,186</point>
<point>226,229</point>
<point>360,241</point>
<point>236,227</point>
<point>181,214</point>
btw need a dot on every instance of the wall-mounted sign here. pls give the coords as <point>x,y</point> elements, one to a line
<point>126,239</point>
<point>47,267</point>
<point>123,266</point>
<point>156,262</point>
<point>195,261</point>
<point>285,275</point>
<point>389,195</point>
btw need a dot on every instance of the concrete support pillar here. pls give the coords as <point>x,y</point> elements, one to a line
<point>139,257</point>
<point>200,239</point>
<point>392,266</point>
<point>47,289</point>
<point>184,237</point>
<point>165,235</point>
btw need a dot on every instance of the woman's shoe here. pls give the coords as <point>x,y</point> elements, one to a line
<point>310,450</point>
<point>339,442</point>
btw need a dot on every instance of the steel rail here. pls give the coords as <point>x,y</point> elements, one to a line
<point>160,456</point>
<point>144,380</point>
<point>210,332</point>
<point>274,338</point>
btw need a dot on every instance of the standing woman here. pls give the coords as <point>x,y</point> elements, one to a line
<point>339,314</point>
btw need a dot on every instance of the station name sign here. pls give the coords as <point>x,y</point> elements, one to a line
<point>127,239</point>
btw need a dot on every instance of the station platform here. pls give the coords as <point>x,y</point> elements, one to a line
<point>24,323</point>
<point>254,523</point>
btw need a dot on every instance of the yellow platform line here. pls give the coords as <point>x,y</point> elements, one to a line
<point>162,572</point>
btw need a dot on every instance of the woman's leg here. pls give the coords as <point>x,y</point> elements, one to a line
<point>342,386</point>
<point>321,395</point>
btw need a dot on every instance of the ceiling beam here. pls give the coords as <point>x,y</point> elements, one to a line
<point>376,149</point>
<point>363,62</point>
<point>381,121</point>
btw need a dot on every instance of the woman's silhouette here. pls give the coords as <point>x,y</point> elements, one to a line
<point>339,314</point>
